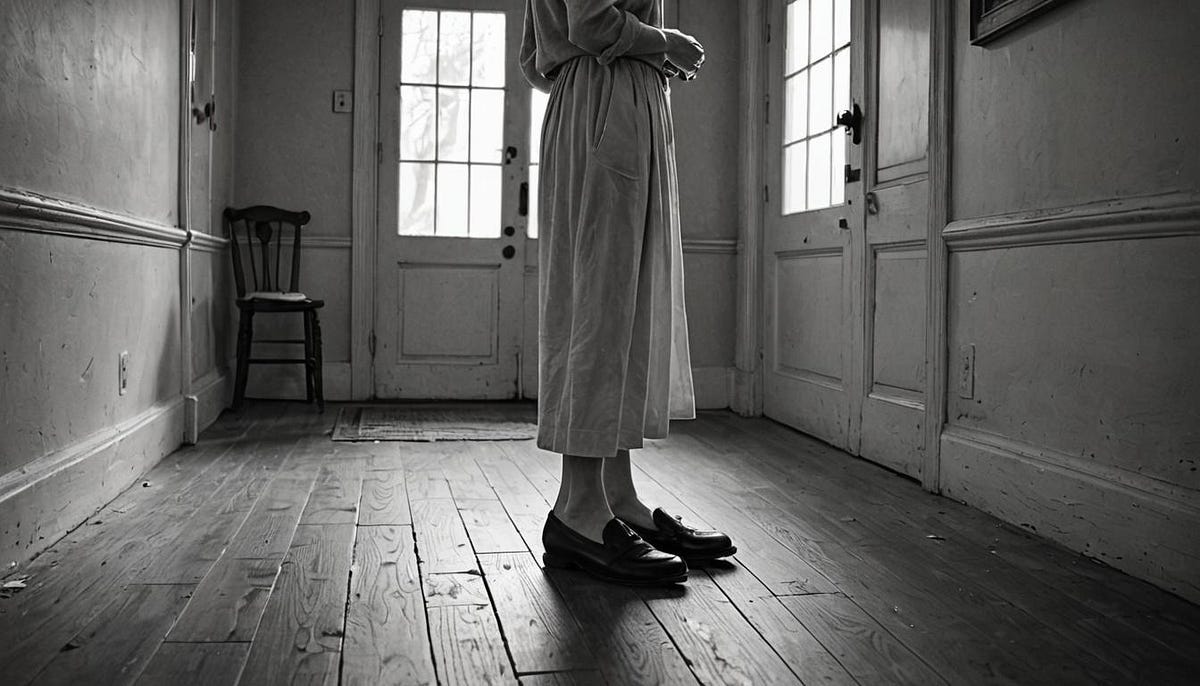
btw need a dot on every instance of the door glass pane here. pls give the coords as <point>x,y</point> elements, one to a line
<point>820,97</point>
<point>841,80</point>
<point>816,87</point>
<point>417,122</point>
<point>821,34</point>
<point>841,23</point>
<point>454,49</point>
<point>533,201</point>
<point>797,36</point>
<point>794,186</point>
<point>818,170</point>
<point>837,168</point>
<point>418,46</point>
<point>796,106</point>
<point>416,199</point>
<point>537,116</point>
<point>487,125</point>
<point>487,50</point>
<point>452,112</point>
<point>452,193</point>
<point>454,124</point>
<point>485,200</point>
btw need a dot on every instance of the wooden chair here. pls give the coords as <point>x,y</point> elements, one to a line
<point>267,249</point>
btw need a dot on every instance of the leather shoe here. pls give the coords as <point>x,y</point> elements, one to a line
<point>622,558</point>
<point>672,536</point>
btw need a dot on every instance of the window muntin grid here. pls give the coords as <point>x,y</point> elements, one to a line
<point>816,85</point>
<point>452,95</point>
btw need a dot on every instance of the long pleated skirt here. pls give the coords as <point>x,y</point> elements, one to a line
<point>614,365</point>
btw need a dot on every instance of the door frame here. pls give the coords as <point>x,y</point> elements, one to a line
<point>364,218</point>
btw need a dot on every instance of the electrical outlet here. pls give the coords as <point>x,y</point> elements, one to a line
<point>343,101</point>
<point>123,373</point>
<point>966,371</point>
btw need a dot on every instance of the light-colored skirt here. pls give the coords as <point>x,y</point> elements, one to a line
<point>614,365</point>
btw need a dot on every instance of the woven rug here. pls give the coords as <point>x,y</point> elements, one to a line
<point>438,422</point>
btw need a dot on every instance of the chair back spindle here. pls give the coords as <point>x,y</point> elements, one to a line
<point>265,229</point>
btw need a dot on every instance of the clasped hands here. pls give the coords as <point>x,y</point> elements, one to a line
<point>685,55</point>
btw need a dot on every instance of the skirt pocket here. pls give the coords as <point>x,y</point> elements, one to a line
<point>618,131</point>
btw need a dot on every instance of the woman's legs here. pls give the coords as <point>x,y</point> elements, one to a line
<point>581,503</point>
<point>593,491</point>
<point>622,494</point>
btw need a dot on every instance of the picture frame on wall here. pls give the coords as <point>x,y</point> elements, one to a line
<point>991,19</point>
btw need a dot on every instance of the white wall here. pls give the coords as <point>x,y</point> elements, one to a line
<point>90,259</point>
<point>1075,240</point>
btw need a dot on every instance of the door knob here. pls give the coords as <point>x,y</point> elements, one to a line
<point>509,252</point>
<point>510,231</point>
<point>872,203</point>
<point>852,120</point>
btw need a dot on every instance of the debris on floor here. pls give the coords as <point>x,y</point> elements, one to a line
<point>11,587</point>
<point>935,537</point>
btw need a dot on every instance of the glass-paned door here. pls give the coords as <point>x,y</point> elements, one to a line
<point>454,128</point>
<point>810,295</point>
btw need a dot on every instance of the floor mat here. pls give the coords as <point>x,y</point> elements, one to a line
<point>438,422</point>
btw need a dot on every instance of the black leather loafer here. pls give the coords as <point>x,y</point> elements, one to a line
<point>623,558</point>
<point>692,545</point>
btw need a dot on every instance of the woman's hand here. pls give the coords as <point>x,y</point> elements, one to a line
<point>684,52</point>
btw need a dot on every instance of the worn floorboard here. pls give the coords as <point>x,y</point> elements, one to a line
<point>269,554</point>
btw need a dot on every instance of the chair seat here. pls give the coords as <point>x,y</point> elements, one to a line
<point>269,305</point>
<point>293,296</point>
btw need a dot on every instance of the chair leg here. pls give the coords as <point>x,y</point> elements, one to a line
<point>245,336</point>
<point>318,361</point>
<point>309,359</point>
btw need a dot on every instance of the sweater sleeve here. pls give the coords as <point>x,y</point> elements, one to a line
<point>529,56</point>
<point>601,29</point>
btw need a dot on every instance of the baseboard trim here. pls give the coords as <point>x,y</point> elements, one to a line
<point>47,498</point>
<point>711,385</point>
<point>1156,216</point>
<point>1136,524</point>
<point>210,397</point>
<point>745,396</point>
<point>24,211</point>
<point>710,246</point>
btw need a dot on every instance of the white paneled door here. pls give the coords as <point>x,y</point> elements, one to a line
<point>845,244</point>
<point>453,200</point>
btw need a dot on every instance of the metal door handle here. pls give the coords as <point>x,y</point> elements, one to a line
<point>872,203</point>
<point>523,200</point>
<point>852,120</point>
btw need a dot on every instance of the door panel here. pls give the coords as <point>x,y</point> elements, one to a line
<point>893,411</point>
<point>454,127</point>
<point>902,121</point>
<point>811,343</point>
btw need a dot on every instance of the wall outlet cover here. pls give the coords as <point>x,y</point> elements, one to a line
<point>123,373</point>
<point>343,101</point>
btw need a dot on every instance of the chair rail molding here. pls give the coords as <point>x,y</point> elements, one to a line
<point>1149,216</point>
<point>22,210</point>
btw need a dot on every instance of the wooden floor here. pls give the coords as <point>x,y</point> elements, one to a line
<point>269,554</point>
